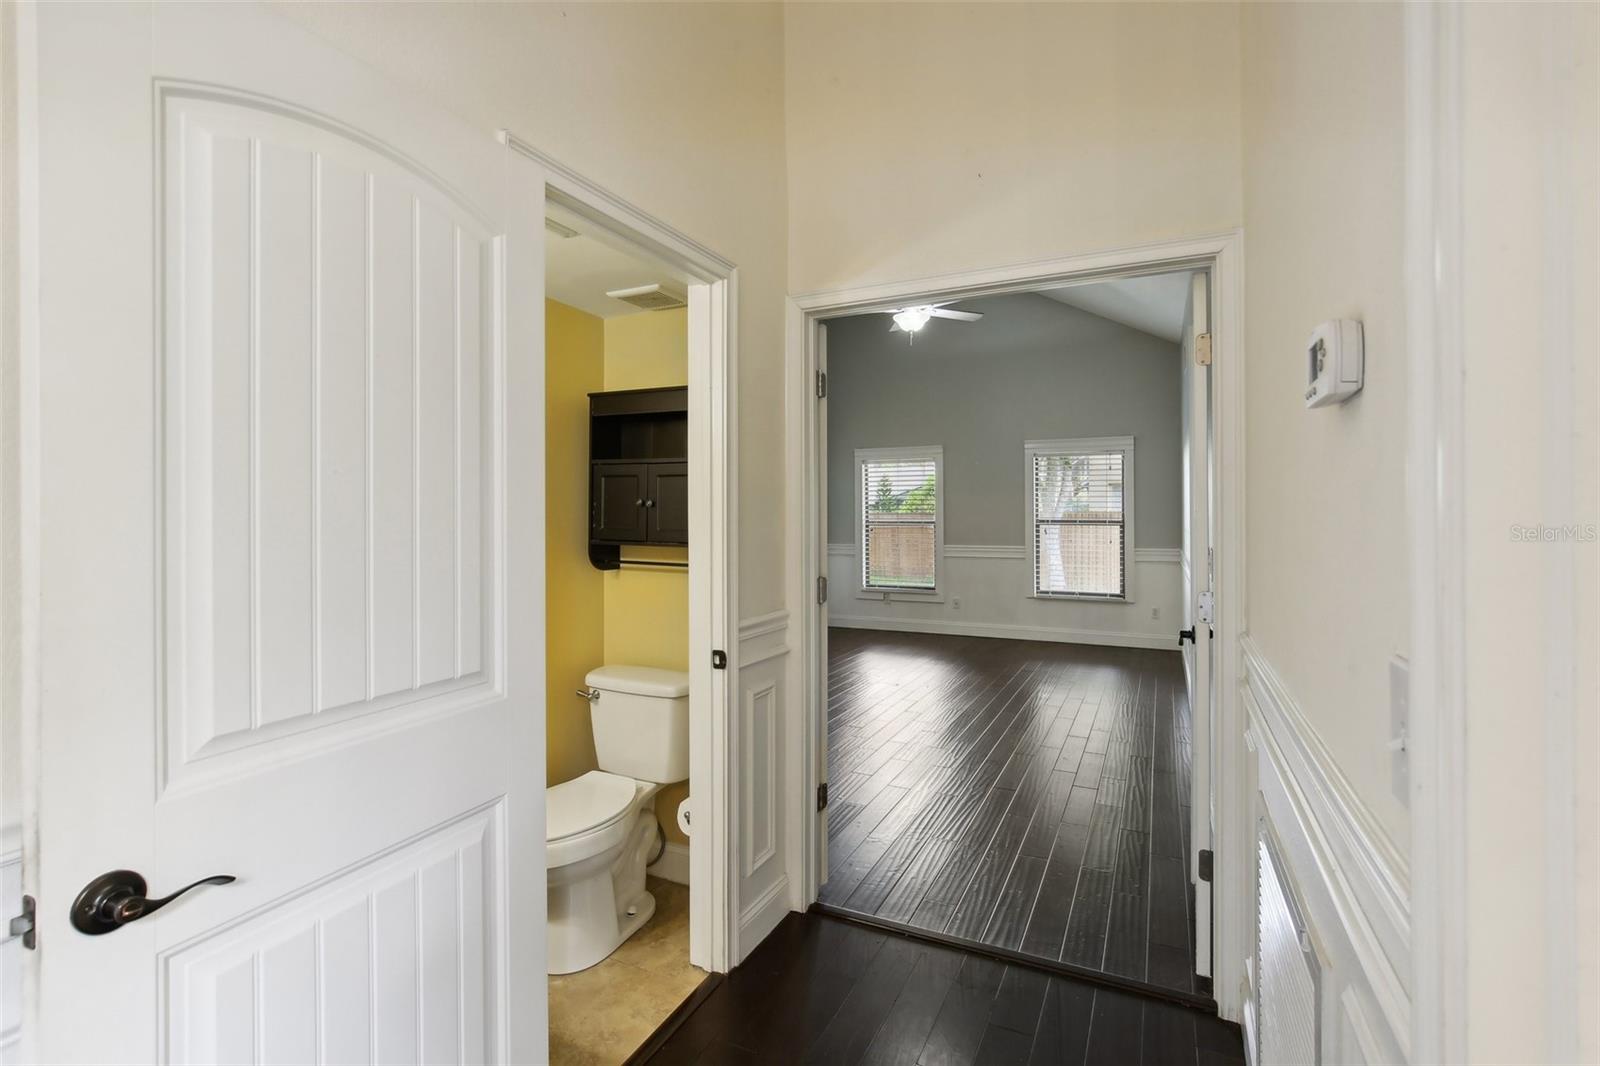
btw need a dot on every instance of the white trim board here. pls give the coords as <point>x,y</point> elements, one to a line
<point>1350,877</point>
<point>1019,551</point>
<point>764,625</point>
<point>714,757</point>
<point>1435,458</point>
<point>1098,637</point>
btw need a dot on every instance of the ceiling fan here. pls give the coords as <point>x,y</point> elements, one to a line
<point>910,319</point>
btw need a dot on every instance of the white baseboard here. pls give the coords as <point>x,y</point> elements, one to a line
<point>762,917</point>
<point>673,865</point>
<point>1103,638</point>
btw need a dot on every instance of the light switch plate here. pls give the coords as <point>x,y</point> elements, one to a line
<point>1400,728</point>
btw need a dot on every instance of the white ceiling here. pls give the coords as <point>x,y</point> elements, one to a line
<point>580,270</point>
<point>1154,304</point>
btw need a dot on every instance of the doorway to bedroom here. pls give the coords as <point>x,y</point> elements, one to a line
<point>1011,492</point>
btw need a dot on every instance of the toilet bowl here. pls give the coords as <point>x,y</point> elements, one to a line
<point>600,828</point>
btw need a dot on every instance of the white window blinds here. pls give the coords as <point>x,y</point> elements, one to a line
<point>899,520</point>
<point>1080,517</point>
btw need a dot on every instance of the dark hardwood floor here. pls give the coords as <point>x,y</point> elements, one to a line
<point>822,990</point>
<point>1027,795</point>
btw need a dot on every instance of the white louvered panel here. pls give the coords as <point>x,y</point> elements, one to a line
<point>328,503</point>
<point>1286,967</point>
<point>385,964</point>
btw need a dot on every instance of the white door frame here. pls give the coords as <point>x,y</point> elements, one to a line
<point>1435,455</point>
<point>1220,254</point>
<point>713,536</point>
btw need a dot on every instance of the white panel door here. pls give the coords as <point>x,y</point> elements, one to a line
<point>291,517</point>
<point>1198,583</point>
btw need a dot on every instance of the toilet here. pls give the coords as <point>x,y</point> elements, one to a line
<point>600,828</point>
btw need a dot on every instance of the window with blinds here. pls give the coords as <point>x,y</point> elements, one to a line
<point>1081,516</point>
<point>898,496</point>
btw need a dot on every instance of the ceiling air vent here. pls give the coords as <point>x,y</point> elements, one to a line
<point>649,297</point>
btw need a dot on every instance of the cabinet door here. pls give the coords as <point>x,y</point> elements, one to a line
<point>616,500</point>
<point>667,503</point>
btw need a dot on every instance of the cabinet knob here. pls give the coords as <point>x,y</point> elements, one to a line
<point>638,503</point>
<point>649,503</point>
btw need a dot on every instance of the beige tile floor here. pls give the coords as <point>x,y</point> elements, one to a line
<point>600,1015</point>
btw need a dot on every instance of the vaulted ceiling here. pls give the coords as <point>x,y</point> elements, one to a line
<point>1153,304</point>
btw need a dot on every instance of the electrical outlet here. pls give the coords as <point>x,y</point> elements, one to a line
<point>1399,728</point>
<point>955,603</point>
<point>1155,613</point>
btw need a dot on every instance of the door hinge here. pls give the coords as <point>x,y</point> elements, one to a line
<point>822,384</point>
<point>1203,608</point>
<point>719,659</point>
<point>1202,350</point>
<point>822,796</point>
<point>822,590</point>
<point>1205,865</point>
<point>23,925</point>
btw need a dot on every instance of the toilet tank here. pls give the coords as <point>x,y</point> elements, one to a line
<point>641,722</point>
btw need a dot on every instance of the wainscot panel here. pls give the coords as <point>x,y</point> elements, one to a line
<point>1348,883</point>
<point>761,812</point>
<point>986,594</point>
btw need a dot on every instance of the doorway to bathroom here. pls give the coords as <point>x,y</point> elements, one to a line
<point>635,328</point>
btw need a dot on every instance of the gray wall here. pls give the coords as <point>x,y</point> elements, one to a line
<point>1032,369</point>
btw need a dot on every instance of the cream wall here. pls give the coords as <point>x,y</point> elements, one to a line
<point>676,107</point>
<point>1326,567</point>
<point>975,134</point>
<point>1531,246</point>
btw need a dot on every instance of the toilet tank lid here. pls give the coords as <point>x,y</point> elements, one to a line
<point>639,681</point>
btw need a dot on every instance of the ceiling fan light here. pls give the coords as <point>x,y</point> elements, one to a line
<point>912,318</point>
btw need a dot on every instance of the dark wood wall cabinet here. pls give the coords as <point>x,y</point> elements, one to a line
<point>638,471</point>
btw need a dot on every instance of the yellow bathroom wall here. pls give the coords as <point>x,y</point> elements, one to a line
<point>647,350</point>
<point>575,629</point>
<point>647,611</point>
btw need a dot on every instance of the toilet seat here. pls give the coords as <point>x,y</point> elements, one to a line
<point>587,815</point>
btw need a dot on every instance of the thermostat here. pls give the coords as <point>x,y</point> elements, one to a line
<point>1333,362</point>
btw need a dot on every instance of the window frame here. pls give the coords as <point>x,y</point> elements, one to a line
<point>864,591</point>
<point>1080,446</point>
